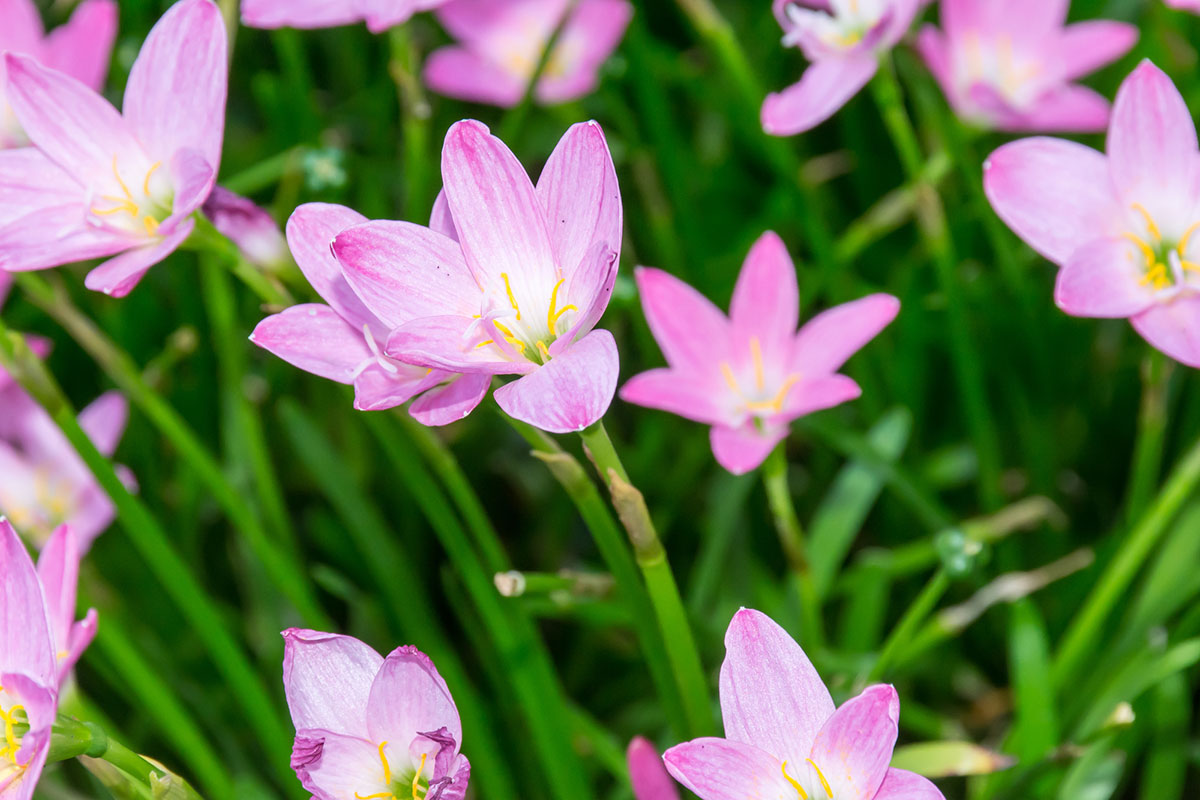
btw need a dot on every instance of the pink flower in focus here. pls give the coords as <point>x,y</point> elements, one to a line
<point>80,48</point>
<point>247,225</point>
<point>1122,226</point>
<point>783,735</point>
<point>842,40</point>
<point>39,643</point>
<point>368,726</point>
<point>378,14</point>
<point>99,183</point>
<point>520,290</point>
<point>1010,66</point>
<point>501,41</point>
<point>342,341</point>
<point>647,773</point>
<point>750,374</point>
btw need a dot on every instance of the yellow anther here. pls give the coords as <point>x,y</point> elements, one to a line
<point>12,744</point>
<point>387,778</point>
<point>1150,224</point>
<point>510,337</point>
<point>151,225</point>
<point>511,300</point>
<point>756,354</point>
<point>1181,248</point>
<point>485,343</point>
<point>545,351</point>
<point>795,784</point>
<point>1157,274</point>
<point>1147,251</point>
<point>555,312</point>
<point>1192,265</point>
<point>727,373</point>
<point>417,777</point>
<point>124,188</point>
<point>387,768</point>
<point>122,207</point>
<point>146,183</point>
<point>775,403</point>
<point>821,775</point>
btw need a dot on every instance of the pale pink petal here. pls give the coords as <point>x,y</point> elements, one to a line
<point>718,769</point>
<point>56,235</point>
<point>377,388</point>
<point>589,289</point>
<point>744,448</point>
<point>310,233</point>
<point>383,14</point>
<point>192,177</point>
<point>83,46</point>
<point>900,784</point>
<point>327,679</point>
<point>684,394</point>
<point>647,773</point>
<point>824,88</point>
<point>1085,47</point>
<point>104,421</point>
<point>1152,139</point>
<point>94,511</point>
<point>337,766</point>
<point>175,97</point>
<point>1065,109</point>
<point>475,20</point>
<point>117,276</point>
<point>766,300</point>
<point>465,75</point>
<point>692,332</point>
<point>1173,328</point>
<point>26,641</point>
<point>316,339</point>
<point>21,26</point>
<point>855,745</point>
<point>770,693</point>
<point>590,36</point>
<point>1054,194</point>
<point>441,220</point>
<point>830,338</point>
<point>247,225</point>
<point>570,392</point>
<point>1104,279</point>
<point>82,634</point>
<point>451,343</point>
<point>408,698</point>
<point>298,13</point>
<point>29,180</point>
<point>403,272</point>
<point>817,394</point>
<point>58,570</point>
<point>452,401</point>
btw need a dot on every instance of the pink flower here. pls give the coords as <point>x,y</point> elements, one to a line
<point>750,374</point>
<point>39,643</point>
<point>1185,5</point>
<point>647,773</point>
<point>378,14</point>
<point>783,736</point>
<point>247,225</point>
<point>521,288</point>
<point>842,39</point>
<point>99,183</point>
<point>501,41</point>
<point>1010,66</point>
<point>342,341</point>
<point>1121,225</point>
<point>81,48</point>
<point>368,726</point>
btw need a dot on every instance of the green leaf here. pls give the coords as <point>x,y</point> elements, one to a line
<point>946,759</point>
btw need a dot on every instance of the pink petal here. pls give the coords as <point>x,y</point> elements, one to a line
<point>298,13</point>
<point>570,392</point>
<point>1104,279</point>
<point>193,178</point>
<point>377,389</point>
<point>175,97</point>
<point>403,272</point>
<point>58,571</point>
<point>590,36</point>
<point>450,343</point>
<point>900,784</point>
<point>451,401</point>
<point>104,421</point>
<point>22,26</point>
<point>824,88</point>
<point>1054,194</point>
<point>1152,140</point>
<point>56,235</point>
<point>310,233</point>
<point>692,332</point>
<point>589,288</point>
<point>744,448</point>
<point>29,180</point>
<point>1173,328</point>
<point>316,339</point>
<point>647,772</point>
<point>1065,109</point>
<point>826,341</point>
<point>82,634</point>
<point>683,394</point>
<point>408,698</point>
<point>719,769</point>
<point>466,75</point>
<point>82,48</point>
<point>855,744</point>
<point>40,702</point>
<point>26,643</point>
<point>818,394</point>
<point>476,20</point>
<point>440,219</point>
<point>766,300</point>
<point>771,695</point>
<point>336,766</point>
<point>456,787</point>
<point>117,276</point>
<point>327,679</point>
<point>1085,47</point>
<point>935,51</point>
<point>94,512</point>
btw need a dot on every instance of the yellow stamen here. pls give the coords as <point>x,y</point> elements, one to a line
<point>512,300</point>
<point>821,775</point>
<point>12,744</point>
<point>756,354</point>
<point>1157,275</point>
<point>124,188</point>
<point>1181,248</point>
<point>510,337</point>
<point>545,351</point>
<point>1192,265</point>
<point>146,183</point>
<point>1147,250</point>
<point>1150,224</point>
<point>727,373</point>
<point>554,313</point>
<point>123,206</point>
<point>795,784</point>
<point>151,225</point>
<point>775,403</point>
<point>417,777</point>
<point>485,343</point>
<point>387,777</point>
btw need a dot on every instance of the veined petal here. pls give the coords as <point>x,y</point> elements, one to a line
<point>58,571</point>
<point>451,401</point>
<point>824,88</point>
<point>683,394</point>
<point>117,276</point>
<point>409,697</point>
<point>647,772</point>
<point>466,75</point>
<point>26,642</point>
<point>766,300</point>
<point>1152,140</point>
<point>900,784</point>
<point>743,448</point>
<point>29,180</point>
<point>828,340</point>
<point>855,745</point>
<point>720,769</point>
<point>570,392</point>
<point>771,695</point>
<point>1174,328</point>
<point>310,233</point>
<point>316,339</point>
<point>193,176</point>
<point>56,235</point>
<point>454,786</point>
<point>83,46</point>
<point>175,98</point>
<point>440,219</point>
<point>327,679</point>
<point>377,389</point>
<point>1104,278</point>
<point>451,343</point>
<point>589,288</point>
<point>692,332</point>
<point>336,766</point>
<point>1085,47</point>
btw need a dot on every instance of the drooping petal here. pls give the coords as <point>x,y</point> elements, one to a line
<point>119,275</point>
<point>692,332</point>
<point>771,695</point>
<point>1174,328</point>
<point>684,394</point>
<point>570,392</point>
<point>298,13</point>
<point>1085,47</point>
<point>827,340</point>
<point>378,388</point>
<point>719,769</point>
<point>454,344</point>
<point>1104,278</point>
<point>900,784</point>
<point>452,401</point>
<point>824,88</point>
<point>83,46</point>
<point>453,787</point>
<point>316,339</point>
<point>175,97</point>
<point>310,233</point>
<point>82,634</point>
<point>766,300</point>
<point>104,421</point>
<point>409,697</point>
<point>1152,139</point>
<point>855,745</point>
<point>337,766</point>
<point>26,642</point>
<point>327,679</point>
<point>743,448</point>
<point>466,75</point>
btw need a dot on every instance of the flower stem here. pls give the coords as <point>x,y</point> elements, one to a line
<point>512,123</point>
<point>1152,429</point>
<point>404,66</point>
<point>791,539</point>
<point>651,557</point>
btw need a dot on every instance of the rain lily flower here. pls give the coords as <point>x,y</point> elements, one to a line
<point>342,341</point>
<point>842,39</point>
<point>248,226</point>
<point>1121,225</point>
<point>39,643</point>
<point>368,726</point>
<point>520,289</point>
<point>501,43</point>
<point>101,184</point>
<point>80,48</point>
<point>378,14</point>
<point>783,736</point>
<point>1010,66</point>
<point>750,374</point>
<point>45,483</point>
<point>647,773</point>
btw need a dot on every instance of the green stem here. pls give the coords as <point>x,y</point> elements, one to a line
<point>651,557</point>
<point>1088,625</point>
<point>902,635</point>
<point>207,239</point>
<point>512,123</point>
<point>791,539</point>
<point>1152,429</point>
<point>932,225</point>
<point>405,68</point>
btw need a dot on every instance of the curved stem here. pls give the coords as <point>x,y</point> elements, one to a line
<point>791,539</point>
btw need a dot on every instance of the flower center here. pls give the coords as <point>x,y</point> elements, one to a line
<point>803,793</point>
<point>399,787</point>
<point>521,337</point>
<point>1165,263</point>
<point>758,402</point>
<point>51,504</point>
<point>136,213</point>
<point>11,715</point>
<point>997,64</point>
<point>843,26</point>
